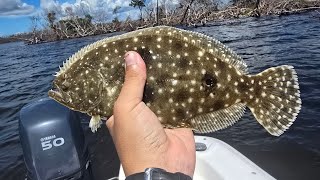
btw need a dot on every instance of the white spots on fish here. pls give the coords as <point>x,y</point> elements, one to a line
<point>211,50</point>
<point>116,50</point>
<point>200,110</point>
<point>154,57</point>
<point>174,75</point>
<point>186,44</point>
<point>159,39</point>
<point>200,53</point>
<point>186,54</point>
<point>216,73</point>
<point>178,56</point>
<point>229,77</point>
<point>202,100</point>
<point>135,39</point>
<point>190,62</point>
<point>104,45</point>
<point>185,38</point>
<point>227,95</point>
<point>170,41</point>
<point>97,53</point>
<point>238,100</point>
<point>159,65</point>
<point>190,99</point>
<point>87,72</point>
<point>188,72</point>
<point>171,90</point>
<point>272,96</point>
<point>174,82</point>
<point>170,100</point>
<point>203,71</point>
<point>158,46</point>
<point>211,95</point>
<point>169,52</point>
<point>151,78</point>
<point>127,45</point>
<point>193,82</point>
<point>241,80</point>
<point>236,83</point>
<point>236,91</point>
<point>143,47</point>
<point>263,94</point>
<point>173,64</point>
<point>257,100</point>
<point>250,96</point>
<point>251,89</point>
<point>252,81</point>
<point>218,85</point>
<point>111,91</point>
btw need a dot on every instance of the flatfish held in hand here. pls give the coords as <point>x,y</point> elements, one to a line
<point>193,81</point>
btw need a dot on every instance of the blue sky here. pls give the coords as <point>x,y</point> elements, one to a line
<point>15,14</point>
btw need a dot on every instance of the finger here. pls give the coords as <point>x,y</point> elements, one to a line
<point>135,77</point>
<point>110,123</point>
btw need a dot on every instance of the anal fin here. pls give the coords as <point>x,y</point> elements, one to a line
<point>218,120</point>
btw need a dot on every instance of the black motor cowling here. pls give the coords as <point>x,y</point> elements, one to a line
<point>52,140</point>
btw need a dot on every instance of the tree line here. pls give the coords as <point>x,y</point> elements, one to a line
<point>49,27</point>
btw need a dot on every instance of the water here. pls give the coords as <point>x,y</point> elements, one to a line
<point>26,74</point>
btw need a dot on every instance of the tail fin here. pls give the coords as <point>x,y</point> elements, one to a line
<point>278,102</point>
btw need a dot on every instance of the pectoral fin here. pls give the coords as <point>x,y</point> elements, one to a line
<point>95,123</point>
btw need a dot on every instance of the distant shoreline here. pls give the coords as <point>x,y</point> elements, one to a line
<point>187,16</point>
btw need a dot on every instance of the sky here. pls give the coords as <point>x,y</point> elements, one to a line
<point>15,14</point>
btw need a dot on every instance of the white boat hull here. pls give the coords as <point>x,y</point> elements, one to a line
<point>220,161</point>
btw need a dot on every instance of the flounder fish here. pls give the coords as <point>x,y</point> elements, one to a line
<point>193,81</point>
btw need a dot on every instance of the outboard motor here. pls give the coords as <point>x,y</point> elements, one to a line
<point>53,142</point>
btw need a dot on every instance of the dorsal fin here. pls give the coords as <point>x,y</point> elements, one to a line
<point>218,120</point>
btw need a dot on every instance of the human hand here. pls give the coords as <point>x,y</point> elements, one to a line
<point>139,137</point>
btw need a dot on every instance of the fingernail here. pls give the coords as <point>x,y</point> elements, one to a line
<point>130,58</point>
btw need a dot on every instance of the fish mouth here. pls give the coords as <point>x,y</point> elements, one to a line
<point>57,94</point>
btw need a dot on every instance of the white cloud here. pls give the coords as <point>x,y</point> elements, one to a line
<point>99,9</point>
<point>14,8</point>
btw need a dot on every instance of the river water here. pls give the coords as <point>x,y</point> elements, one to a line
<point>26,75</point>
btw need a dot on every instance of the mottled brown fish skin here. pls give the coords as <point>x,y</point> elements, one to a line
<point>192,81</point>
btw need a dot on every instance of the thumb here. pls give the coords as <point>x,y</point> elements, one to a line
<point>135,77</point>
